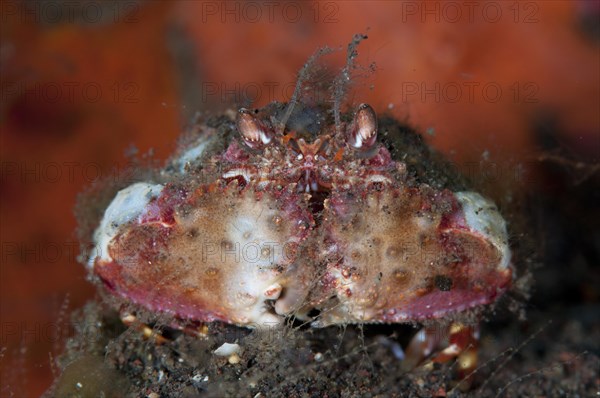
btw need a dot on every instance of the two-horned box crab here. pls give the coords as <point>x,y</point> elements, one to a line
<point>298,211</point>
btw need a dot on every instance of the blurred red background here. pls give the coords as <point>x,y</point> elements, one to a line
<point>83,81</point>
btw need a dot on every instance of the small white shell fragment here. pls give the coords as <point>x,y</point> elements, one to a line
<point>227,349</point>
<point>198,378</point>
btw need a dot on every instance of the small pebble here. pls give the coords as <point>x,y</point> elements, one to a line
<point>227,349</point>
<point>234,359</point>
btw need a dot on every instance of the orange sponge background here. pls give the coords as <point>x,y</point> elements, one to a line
<point>84,81</point>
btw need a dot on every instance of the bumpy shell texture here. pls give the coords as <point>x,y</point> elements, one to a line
<point>296,210</point>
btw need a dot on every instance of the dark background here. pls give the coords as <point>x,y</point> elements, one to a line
<point>509,91</point>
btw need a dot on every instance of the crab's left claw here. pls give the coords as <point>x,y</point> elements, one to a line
<point>410,254</point>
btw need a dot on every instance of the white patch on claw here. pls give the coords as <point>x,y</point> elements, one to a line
<point>127,205</point>
<point>483,216</point>
<point>257,248</point>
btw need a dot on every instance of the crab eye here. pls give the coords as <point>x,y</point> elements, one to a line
<point>363,131</point>
<point>254,133</point>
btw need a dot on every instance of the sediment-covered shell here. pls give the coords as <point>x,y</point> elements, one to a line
<point>303,223</point>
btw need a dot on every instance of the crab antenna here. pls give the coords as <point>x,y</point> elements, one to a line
<point>341,82</point>
<point>363,131</point>
<point>254,133</point>
<point>302,77</point>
